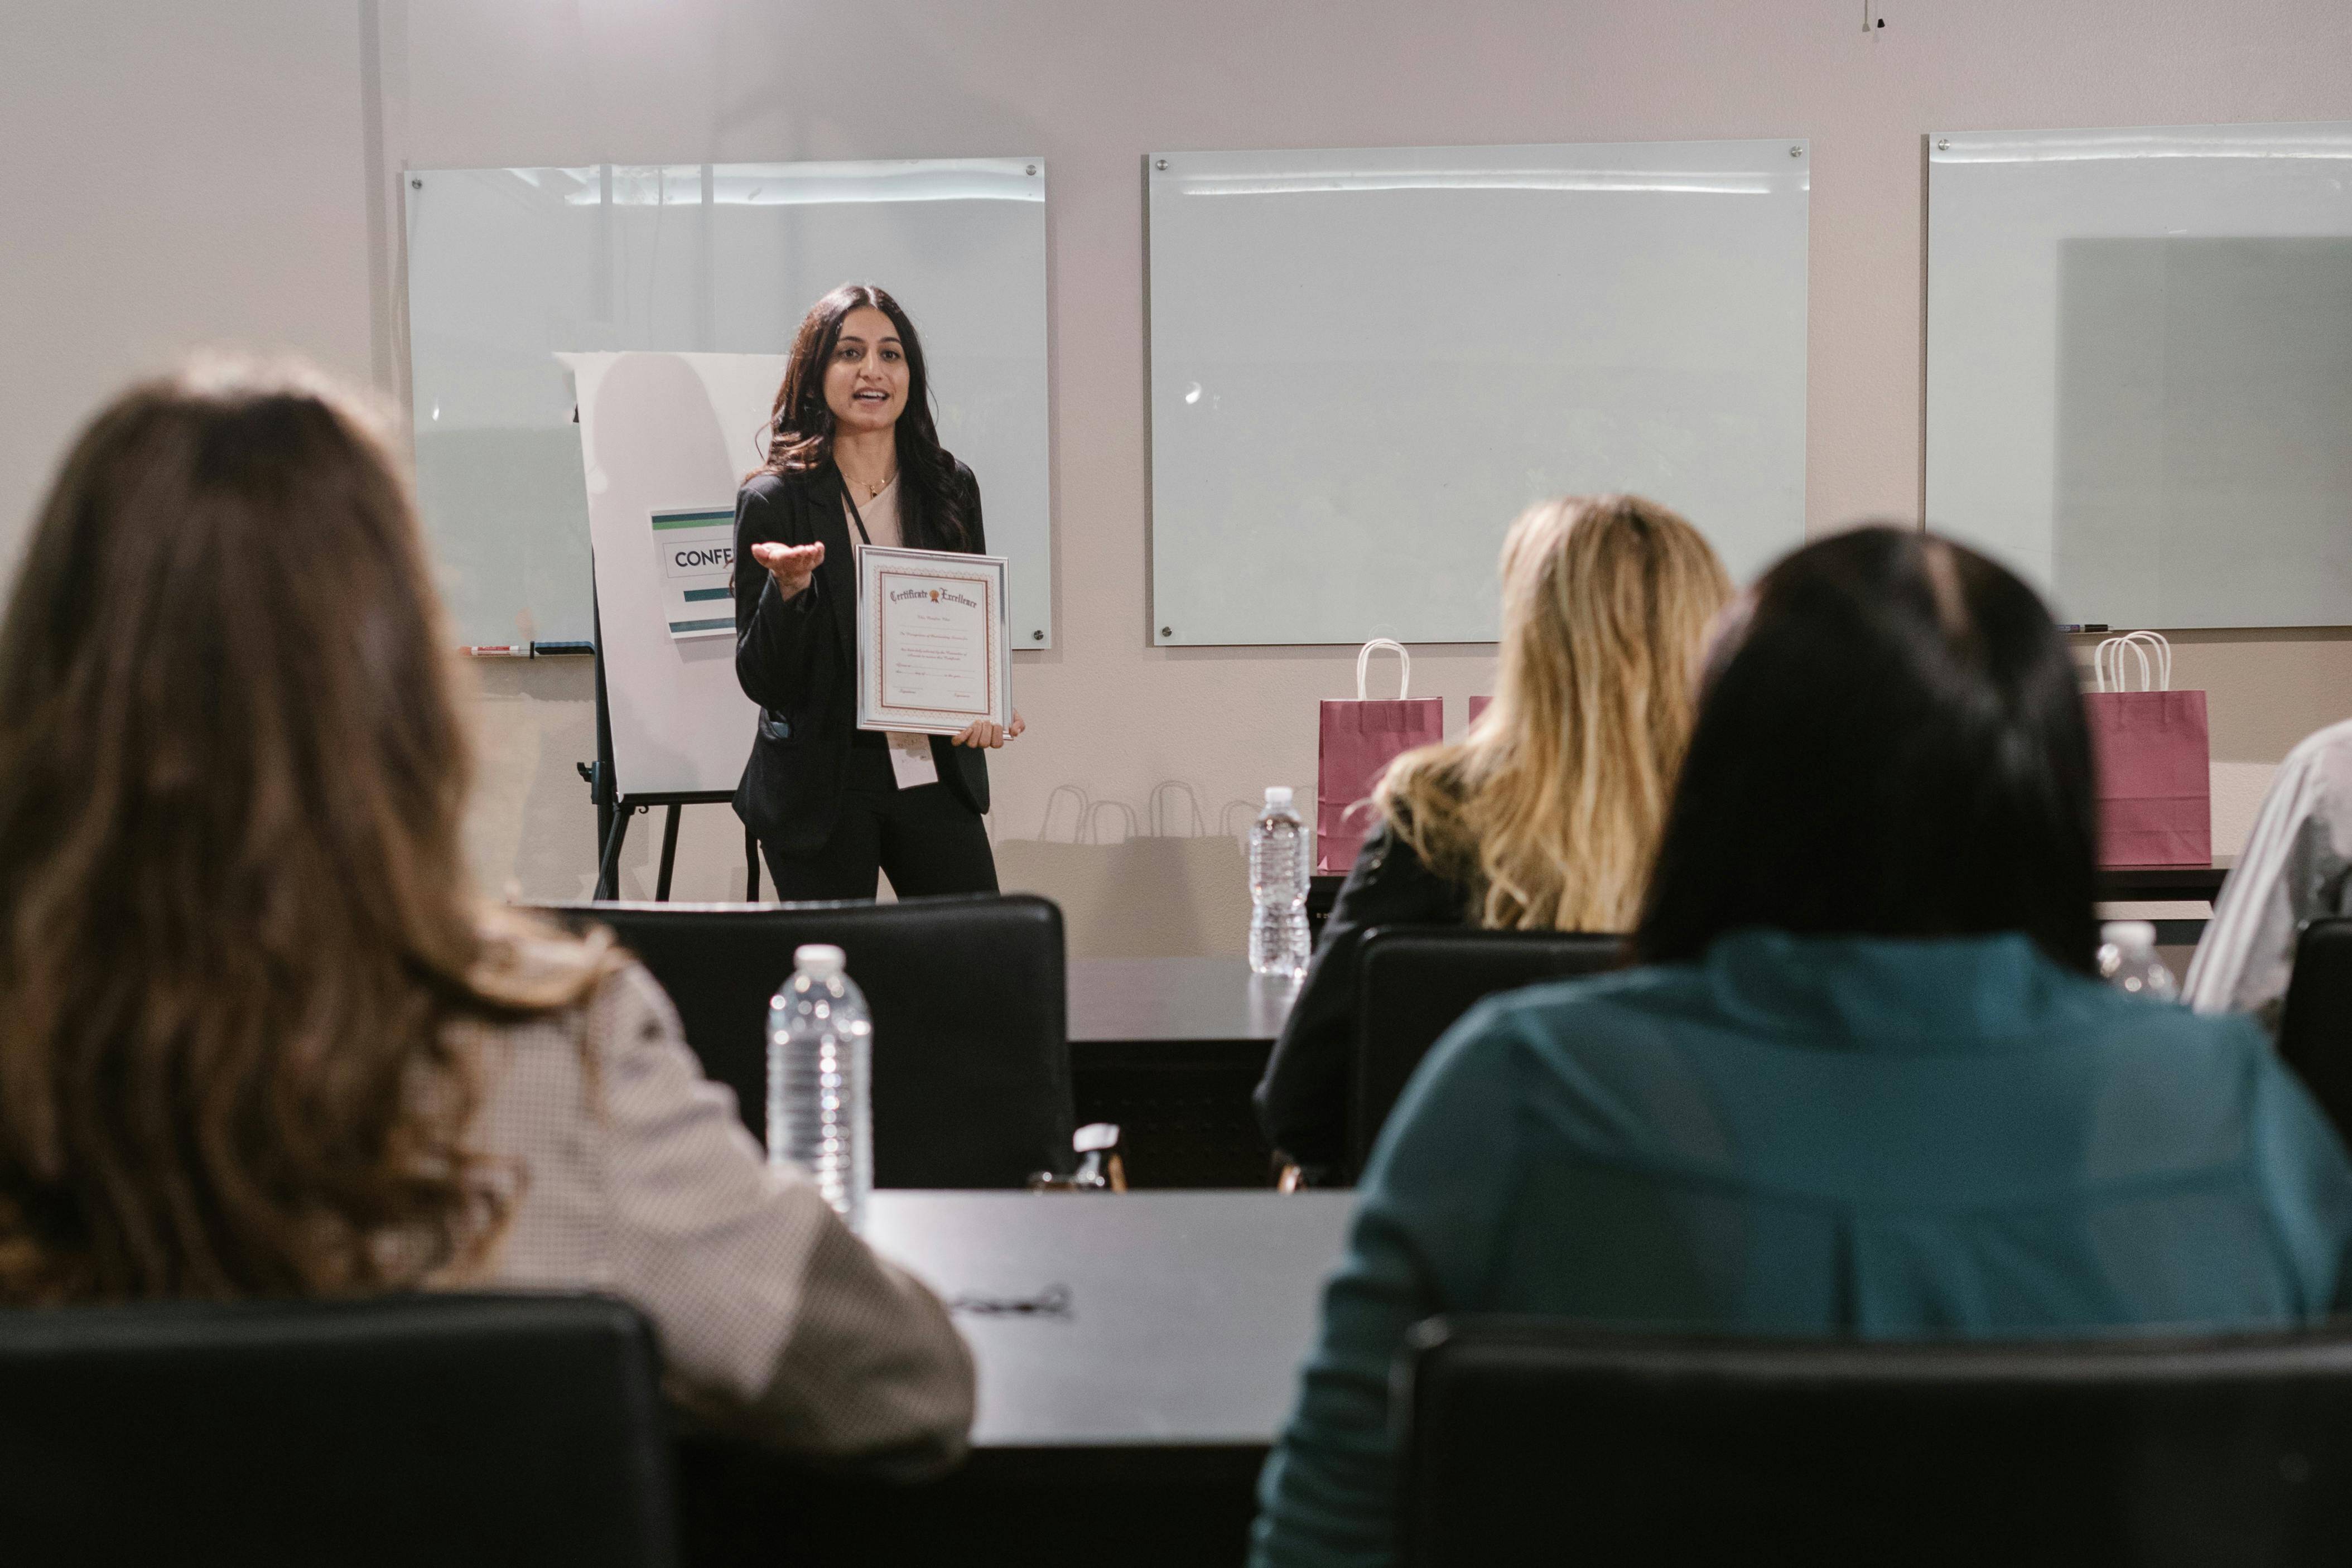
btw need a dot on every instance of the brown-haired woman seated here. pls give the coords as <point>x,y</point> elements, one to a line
<point>258,1035</point>
<point>1544,816</point>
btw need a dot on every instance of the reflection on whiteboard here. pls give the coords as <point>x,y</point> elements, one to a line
<point>656,430</point>
<point>1364,363</point>
<point>2204,391</point>
<point>694,551</point>
<point>2140,367</point>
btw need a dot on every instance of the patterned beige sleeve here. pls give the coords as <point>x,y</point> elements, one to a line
<point>770,1311</point>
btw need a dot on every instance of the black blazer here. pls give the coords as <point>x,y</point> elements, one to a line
<point>797,659</point>
<point>1302,1102</point>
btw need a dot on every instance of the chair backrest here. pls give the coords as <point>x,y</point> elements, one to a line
<point>2315,1026</point>
<point>1524,1437</point>
<point>971,1053</point>
<point>1415,980</point>
<point>398,1430</point>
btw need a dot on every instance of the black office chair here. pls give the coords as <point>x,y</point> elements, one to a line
<point>971,1054</point>
<point>2315,1024</point>
<point>411,1431</point>
<point>1415,980</point>
<point>1528,1441</point>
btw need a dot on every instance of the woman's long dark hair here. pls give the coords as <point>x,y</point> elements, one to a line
<point>241,957</point>
<point>932,511</point>
<point>1893,745</point>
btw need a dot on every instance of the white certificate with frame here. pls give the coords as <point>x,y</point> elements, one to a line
<point>933,649</point>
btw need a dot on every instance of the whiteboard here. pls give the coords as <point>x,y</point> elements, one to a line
<point>657,433</point>
<point>2140,367</point>
<point>1365,363</point>
<point>510,268</point>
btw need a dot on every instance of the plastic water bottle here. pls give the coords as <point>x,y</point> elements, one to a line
<point>820,1078</point>
<point>2128,961</point>
<point>1278,864</point>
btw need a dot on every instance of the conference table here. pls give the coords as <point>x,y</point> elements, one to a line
<point>2118,883</point>
<point>1169,1049</point>
<point>1136,1353</point>
<point>1125,1319</point>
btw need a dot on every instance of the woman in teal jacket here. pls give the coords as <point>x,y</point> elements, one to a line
<point>1866,1082</point>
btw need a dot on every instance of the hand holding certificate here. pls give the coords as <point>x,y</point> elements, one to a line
<point>934,655</point>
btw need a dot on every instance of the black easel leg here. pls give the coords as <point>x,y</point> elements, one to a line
<point>669,853</point>
<point>750,867</point>
<point>608,875</point>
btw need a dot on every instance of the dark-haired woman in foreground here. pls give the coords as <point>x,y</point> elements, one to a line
<point>1864,1084</point>
<point>258,1035</point>
<point>853,458</point>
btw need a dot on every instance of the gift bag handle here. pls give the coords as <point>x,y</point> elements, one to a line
<point>1364,664</point>
<point>2140,642</point>
<point>1159,814</point>
<point>1078,828</point>
<point>2115,646</point>
<point>1093,827</point>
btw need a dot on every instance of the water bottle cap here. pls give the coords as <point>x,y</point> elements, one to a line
<point>2128,933</point>
<point>1278,795</point>
<point>818,960</point>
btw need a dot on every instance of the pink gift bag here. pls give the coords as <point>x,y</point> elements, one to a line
<point>1358,740</point>
<point>1478,706</point>
<point>2154,760</point>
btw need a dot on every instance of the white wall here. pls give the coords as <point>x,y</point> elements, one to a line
<point>179,175</point>
<point>125,273</point>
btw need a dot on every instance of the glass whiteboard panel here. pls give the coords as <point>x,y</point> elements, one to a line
<point>2140,367</point>
<point>510,268</point>
<point>1365,363</point>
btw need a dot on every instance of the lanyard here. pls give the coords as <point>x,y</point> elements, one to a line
<point>855,515</point>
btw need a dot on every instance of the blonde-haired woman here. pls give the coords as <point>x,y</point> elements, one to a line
<point>1546,814</point>
<point>258,1035</point>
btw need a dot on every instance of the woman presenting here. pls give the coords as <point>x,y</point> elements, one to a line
<point>853,458</point>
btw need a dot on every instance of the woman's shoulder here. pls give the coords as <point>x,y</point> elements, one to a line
<point>1389,863</point>
<point>770,487</point>
<point>540,981</point>
<point>552,1069</point>
<point>626,1012</point>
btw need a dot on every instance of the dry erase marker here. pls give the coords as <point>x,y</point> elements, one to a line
<point>497,650</point>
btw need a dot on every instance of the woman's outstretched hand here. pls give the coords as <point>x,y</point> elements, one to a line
<point>791,565</point>
<point>981,732</point>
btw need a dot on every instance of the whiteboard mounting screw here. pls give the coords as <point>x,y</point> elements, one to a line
<point>416,185</point>
<point>1038,636</point>
<point>1033,168</point>
<point>1943,144</point>
<point>1159,162</point>
<point>1796,152</point>
<point>1164,632</point>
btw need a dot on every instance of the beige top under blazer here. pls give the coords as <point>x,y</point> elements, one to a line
<point>639,1180</point>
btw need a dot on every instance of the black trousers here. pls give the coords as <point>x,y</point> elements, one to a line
<point>925,838</point>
